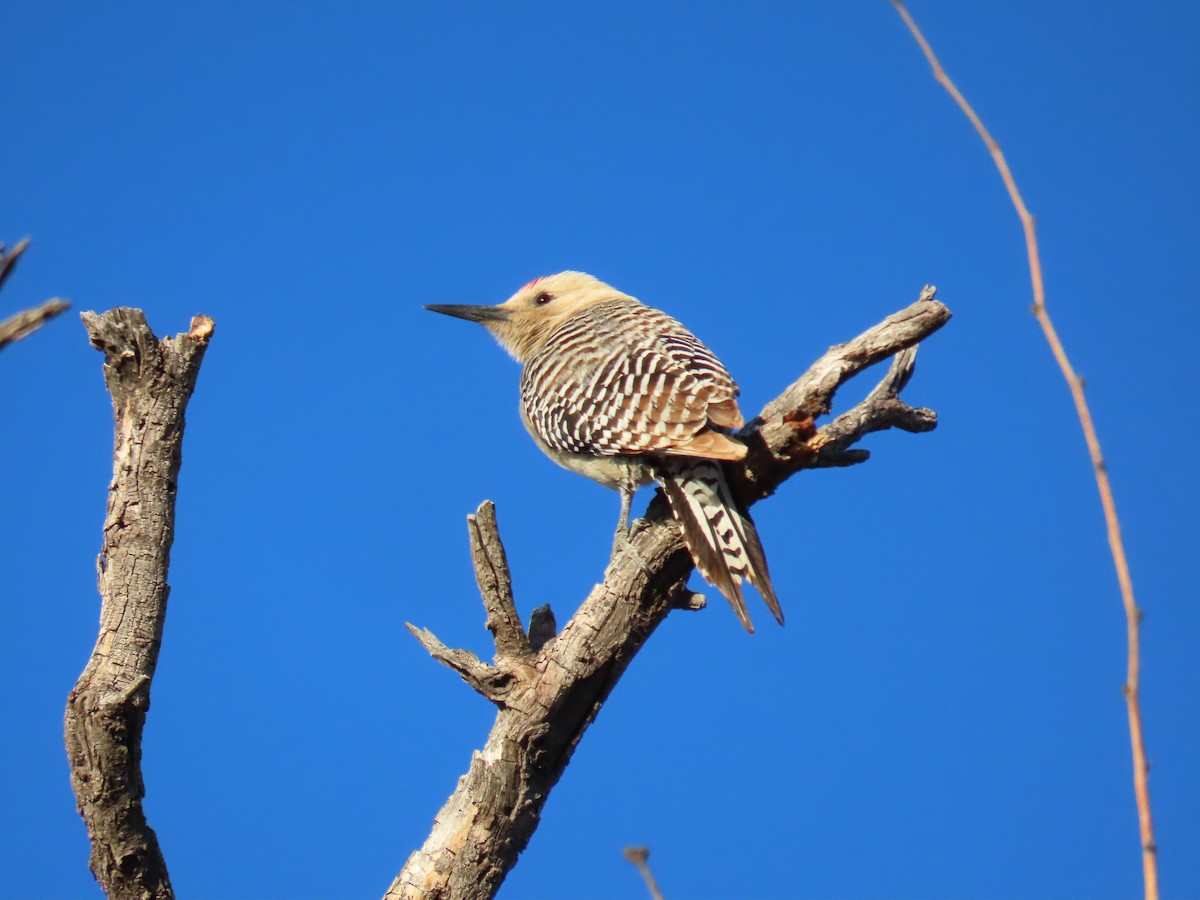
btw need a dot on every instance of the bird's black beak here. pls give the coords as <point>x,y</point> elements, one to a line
<point>482,314</point>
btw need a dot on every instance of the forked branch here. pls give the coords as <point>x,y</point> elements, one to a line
<point>150,382</point>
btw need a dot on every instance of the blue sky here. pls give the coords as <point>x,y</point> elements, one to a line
<point>941,717</point>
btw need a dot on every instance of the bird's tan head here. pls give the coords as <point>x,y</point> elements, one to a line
<point>523,323</point>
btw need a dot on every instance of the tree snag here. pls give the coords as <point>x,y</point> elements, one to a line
<point>150,382</point>
<point>549,689</point>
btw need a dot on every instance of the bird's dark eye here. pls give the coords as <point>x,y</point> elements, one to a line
<point>543,298</point>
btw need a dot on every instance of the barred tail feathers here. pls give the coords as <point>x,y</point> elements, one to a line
<point>721,537</point>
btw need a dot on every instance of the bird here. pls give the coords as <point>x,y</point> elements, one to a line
<point>624,394</point>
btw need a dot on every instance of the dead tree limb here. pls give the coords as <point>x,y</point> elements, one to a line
<point>30,320</point>
<point>547,697</point>
<point>150,382</point>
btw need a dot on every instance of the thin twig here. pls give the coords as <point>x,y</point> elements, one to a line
<point>27,321</point>
<point>1133,615</point>
<point>8,258</point>
<point>640,857</point>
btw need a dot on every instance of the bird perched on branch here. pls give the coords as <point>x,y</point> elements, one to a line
<point>624,394</point>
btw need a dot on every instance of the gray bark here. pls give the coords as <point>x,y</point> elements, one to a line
<point>150,382</point>
<point>548,692</point>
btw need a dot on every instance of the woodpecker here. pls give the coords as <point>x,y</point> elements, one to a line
<point>624,394</point>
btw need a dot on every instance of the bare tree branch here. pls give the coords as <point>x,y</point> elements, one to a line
<point>150,382</point>
<point>1116,545</point>
<point>782,439</point>
<point>495,583</point>
<point>30,320</point>
<point>551,696</point>
<point>882,409</point>
<point>492,682</point>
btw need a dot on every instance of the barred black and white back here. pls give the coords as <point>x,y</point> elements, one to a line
<point>620,378</point>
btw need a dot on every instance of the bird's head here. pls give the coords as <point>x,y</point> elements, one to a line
<point>524,321</point>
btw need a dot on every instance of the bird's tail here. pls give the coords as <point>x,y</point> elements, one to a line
<point>720,535</point>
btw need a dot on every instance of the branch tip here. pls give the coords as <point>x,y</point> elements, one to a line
<point>8,260</point>
<point>28,321</point>
<point>486,680</point>
<point>542,627</point>
<point>640,857</point>
<point>495,583</point>
<point>812,393</point>
<point>636,854</point>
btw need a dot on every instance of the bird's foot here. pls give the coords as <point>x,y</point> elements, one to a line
<point>623,543</point>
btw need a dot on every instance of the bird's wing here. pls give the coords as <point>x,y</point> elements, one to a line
<point>624,379</point>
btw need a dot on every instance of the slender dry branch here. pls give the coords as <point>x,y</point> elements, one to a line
<point>30,320</point>
<point>882,409</point>
<point>549,696</point>
<point>470,667</point>
<point>9,258</point>
<point>1133,615</point>
<point>150,382</point>
<point>640,857</point>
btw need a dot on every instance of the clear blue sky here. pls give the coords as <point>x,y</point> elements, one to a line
<point>942,715</point>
